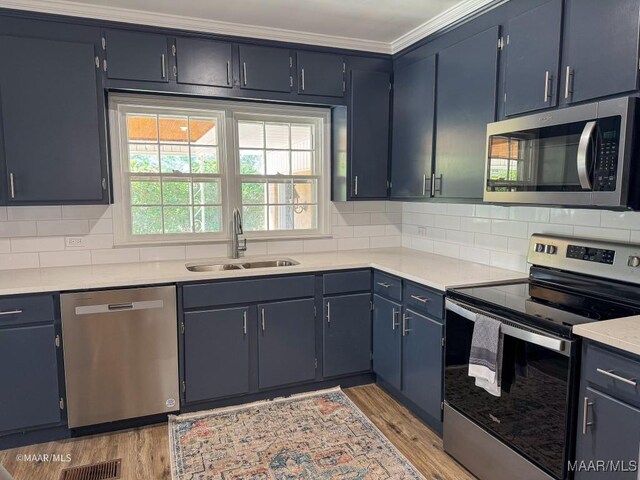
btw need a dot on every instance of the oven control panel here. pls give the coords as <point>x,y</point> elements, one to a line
<point>589,254</point>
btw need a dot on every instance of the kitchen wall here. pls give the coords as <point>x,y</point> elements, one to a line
<point>498,236</point>
<point>32,237</point>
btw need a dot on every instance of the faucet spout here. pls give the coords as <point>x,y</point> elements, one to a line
<point>236,231</point>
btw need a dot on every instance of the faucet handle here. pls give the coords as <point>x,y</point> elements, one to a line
<point>242,245</point>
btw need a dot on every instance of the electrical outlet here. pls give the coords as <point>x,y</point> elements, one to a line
<point>75,242</point>
<point>422,231</point>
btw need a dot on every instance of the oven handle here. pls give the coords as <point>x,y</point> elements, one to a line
<point>581,159</point>
<point>551,343</point>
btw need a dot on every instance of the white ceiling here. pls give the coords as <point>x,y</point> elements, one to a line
<point>374,25</point>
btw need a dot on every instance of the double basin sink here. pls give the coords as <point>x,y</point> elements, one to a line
<point>219,267</point>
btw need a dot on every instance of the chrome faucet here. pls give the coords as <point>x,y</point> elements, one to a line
<point>236,245</point>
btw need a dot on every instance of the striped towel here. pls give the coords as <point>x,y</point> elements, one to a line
<point>485,359</point>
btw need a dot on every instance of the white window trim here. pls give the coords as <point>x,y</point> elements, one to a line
<point>120,104</point>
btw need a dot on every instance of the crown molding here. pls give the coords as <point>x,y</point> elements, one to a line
<point>181,22</point>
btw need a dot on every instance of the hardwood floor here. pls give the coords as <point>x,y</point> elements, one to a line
<point>145,451</point>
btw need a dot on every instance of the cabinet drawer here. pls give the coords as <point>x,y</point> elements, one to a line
<point>613,373</point>
<point>424,300</point>
<point>26,309</point>
<point>247,291</point>
<point>344,282</point>
<point>387,286</point>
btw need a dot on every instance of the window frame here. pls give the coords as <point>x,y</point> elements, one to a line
<point>228,152</point>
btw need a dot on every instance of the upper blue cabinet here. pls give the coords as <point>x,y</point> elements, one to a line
<point>137,56</point>
<point>600,49</point>
<point>532,59</point>
<point>266,68</point>
<point>321,74</point>
<point>203,62</point>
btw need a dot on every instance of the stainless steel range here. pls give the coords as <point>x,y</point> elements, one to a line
<point>528,431</point>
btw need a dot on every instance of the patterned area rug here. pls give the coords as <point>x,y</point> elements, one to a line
<point>320,435</point>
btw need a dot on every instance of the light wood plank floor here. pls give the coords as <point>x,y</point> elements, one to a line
<point>145,451</point>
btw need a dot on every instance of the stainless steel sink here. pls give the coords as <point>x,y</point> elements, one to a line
<point>219,267</point>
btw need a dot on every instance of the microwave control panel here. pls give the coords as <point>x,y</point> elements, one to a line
<point>607,164</point>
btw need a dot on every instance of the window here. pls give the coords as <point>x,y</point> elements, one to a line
<point>182,165</point>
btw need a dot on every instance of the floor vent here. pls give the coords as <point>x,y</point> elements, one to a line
<point>98,471</point>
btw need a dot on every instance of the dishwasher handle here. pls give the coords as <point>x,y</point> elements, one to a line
<point>118,307</point>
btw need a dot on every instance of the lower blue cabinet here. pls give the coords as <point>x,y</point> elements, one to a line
<point>387,337</point>
<point>347,334</point>
<point>216,360</point>
<point>29,371</point>
<point>286,343</point>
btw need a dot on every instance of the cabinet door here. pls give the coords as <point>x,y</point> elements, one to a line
<point>533,53</point>
<point>203,62</point>
<point>29,373</point>
<point>422,362</point>
<point>387,340</point>
<point>137,56</point>
<point>52,121</point>
<point>286,343</point>
<point>601,48</point>
<point>216,353</point>
<point>320,74</point>
<point>466,103</point>
<point>612,433</point>
<point>347,334</point>
<point>265,68</point>
<point>369,140</point>
<point>414,88</point>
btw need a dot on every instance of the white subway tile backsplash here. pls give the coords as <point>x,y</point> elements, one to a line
<point>477,255</point>
<point>5,245</point>
<point>355,243</point>
<point>115,255</point>
<point>623,220</point>
<point>63,227</point>
<point>33,213</point>
<point>341,231</point>
<point>285,247</point>
<point>385,218</point>
<point>170,252</point>
<point>374,206</point>
<point>102,225</point>
<point>385,242</point>
<point>321,245</point>
<point>369,231</point>
<point>491,242</point>
<point>18,229</point>
<point>477,225</point>
<point>550,229</point>
<point>12,261</point>
<point>37,244</point>
<point>509,261</point>
<point>448,249</point>
<point>212,250</point>
<point>447,222</point>
<point>456,236</point>
<point>461,210</point>
<point>603,233</point>
<point>574,217</point>
<point>65,259</point>
<point>529,214</point>
<point>86,211</point>
<point>509,228</point>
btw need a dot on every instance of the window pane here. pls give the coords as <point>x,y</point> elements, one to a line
<point>305,217</point>
<point>305,191</point>
<point>176,192</point>
<point>203,131</point>
<point>177,219</point>
<point>144,158</point>
<point>250,135</point>
<point>251,162</point>
<point>146,220</point>
<point>204,160</point>
<point>254,193</point>
<point>145,192</point>
<point>280,217</point>
<point>173,129</point>
<point>174,159</point>
<point>277,162</point>
<point>301,137</point>
<point>254,218</point>
<point>206,193</point>
<point>301,163</point>
<point>207,219</point>
<point>142,128</point>
<point>280,192</point>
<point>277,135</point>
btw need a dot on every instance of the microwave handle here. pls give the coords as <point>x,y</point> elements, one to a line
<point>583,150</point>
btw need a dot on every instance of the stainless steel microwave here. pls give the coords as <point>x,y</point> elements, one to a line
<point>577,156</point>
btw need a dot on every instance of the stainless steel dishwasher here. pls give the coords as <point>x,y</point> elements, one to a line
<point>120,354</point>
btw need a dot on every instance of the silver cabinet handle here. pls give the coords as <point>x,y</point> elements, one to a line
<point>244,73</point>
<point>120,306</point>
<point>612,374</point>
<point>329,313</point>
<point>383,285</point>
<point>405,322</point>
<point>10,312</point>
<point>12,186</point>
<point>547,90</point>
<point>420,299</point>
<point>163,63</point>
<point>581,158</point>
<point>394,316</point>
<point>355,186</point>
<point>244,322</point>
<point>228,72</point>
<point>568,81</point>
<point>585,415</point>
<point>424,184</point>
<point>302,78</point>
<point>262,319</point>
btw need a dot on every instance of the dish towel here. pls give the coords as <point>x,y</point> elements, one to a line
<point>485,359</point>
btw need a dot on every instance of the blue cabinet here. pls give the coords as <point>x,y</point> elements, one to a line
<point>137,56</point>
<point>53,125</point>
<point>266,68</point>
<point>600,54</point>
<point>286,343</point>
<point>532,59</point>
<point>204,62</point>
<point>387,338</point>
<point>414,88</point>
<point>321,74</point>
<point>346,334</point>
<point>216,353</point>
<point>466,102</point>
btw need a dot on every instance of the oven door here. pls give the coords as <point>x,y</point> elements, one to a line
<point>533,415</point>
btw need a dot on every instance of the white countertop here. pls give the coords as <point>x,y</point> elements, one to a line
<point>429,269</point>
<point>622,333</point>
